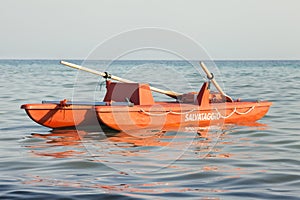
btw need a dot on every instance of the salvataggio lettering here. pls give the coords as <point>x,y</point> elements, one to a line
<point>202,116</point>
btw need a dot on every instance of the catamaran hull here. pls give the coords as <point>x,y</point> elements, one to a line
<point>176,116</point>
<point>56,116</point>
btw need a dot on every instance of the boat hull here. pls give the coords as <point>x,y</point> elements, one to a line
<point>176,116</point>
<point>57,116</point>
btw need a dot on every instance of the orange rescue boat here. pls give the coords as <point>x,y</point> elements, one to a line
<point>130,106</point>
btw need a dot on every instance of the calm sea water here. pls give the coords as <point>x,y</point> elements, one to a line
<point>236,162</point>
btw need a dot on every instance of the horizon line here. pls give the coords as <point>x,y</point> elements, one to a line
<point>77,59</point>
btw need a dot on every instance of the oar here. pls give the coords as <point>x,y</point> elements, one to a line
<point>211,78</point>
<point>106,75</point>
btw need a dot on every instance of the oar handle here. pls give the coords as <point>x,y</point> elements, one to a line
<point>211,77</point>
<point>103,74</point>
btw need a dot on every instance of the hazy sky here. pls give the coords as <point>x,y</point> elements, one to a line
<point>227,29</point>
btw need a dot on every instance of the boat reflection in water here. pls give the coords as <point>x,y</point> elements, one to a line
<point>58,143</point>
<point>142,145</point>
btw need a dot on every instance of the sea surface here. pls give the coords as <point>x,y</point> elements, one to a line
<point>258,161</point>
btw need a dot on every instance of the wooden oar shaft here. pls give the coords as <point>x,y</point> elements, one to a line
<point>94,72</point>
<point>169,93</point>
<point>210,76</point>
